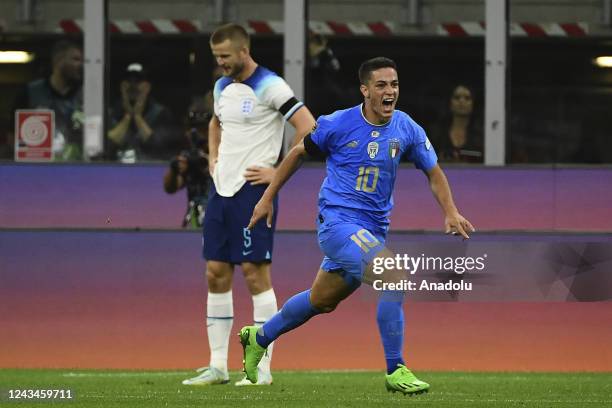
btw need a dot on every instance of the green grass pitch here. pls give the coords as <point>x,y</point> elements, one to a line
<point>312,389</point>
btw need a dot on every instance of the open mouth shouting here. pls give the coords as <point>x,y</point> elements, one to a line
<point>388,104</point>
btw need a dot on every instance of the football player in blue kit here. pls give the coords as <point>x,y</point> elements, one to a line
<point>363,147</point>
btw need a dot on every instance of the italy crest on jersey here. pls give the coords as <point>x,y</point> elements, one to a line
<point>372,149</point>
<point>394,147</point>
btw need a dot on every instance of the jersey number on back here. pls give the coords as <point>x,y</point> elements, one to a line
<point>363,179</point>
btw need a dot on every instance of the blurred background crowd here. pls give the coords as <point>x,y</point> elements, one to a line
<point>160,72</point>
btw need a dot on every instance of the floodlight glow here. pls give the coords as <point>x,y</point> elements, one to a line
<point>15,57</point>
<point>604,61</point>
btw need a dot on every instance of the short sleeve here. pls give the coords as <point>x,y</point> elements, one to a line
<point>321,135</point>
<point>421,152</point>
<point>278,95</point>
<point>216,95</point>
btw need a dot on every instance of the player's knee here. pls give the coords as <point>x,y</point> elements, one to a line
<point>324,305</point>
<point>253,281</point>
<point>256,277</point>
<point>217,278</point>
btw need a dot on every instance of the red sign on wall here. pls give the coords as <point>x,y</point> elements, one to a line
<point>34,130</point>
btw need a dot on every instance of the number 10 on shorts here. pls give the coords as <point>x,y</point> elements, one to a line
<point>365,240</point>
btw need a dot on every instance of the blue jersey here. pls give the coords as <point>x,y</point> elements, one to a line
<point>362,161</point>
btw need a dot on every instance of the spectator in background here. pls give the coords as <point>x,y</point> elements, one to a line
<point>325,94</point>
<point>209,101</point>
<point>458,136</point>
<point>62,92</point>
<point>140,127</point>
<point>190,168</point>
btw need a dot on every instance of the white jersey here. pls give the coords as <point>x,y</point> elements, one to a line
<point>252,114</point>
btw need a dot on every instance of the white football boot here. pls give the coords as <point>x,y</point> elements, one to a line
<point>208,376</point>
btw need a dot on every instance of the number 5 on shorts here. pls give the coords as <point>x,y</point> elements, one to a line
<point>365,240</point>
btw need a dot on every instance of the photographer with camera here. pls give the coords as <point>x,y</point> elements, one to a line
<point>190,167</point>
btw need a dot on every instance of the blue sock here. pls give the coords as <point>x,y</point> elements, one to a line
<point>390,319</point>
<point>295,312</point>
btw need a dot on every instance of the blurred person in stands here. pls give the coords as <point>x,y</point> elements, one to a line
<point>458,135</point>
<point>189,169</point>
<point>62,92</point>
<point>324,92</point>
<point>209,100</point>
<point>140,127</point>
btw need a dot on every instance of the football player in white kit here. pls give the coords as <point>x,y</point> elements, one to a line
<point>251,105</point>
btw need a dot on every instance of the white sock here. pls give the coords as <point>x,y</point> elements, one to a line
<point>264,307</point>
<point>219,320</point>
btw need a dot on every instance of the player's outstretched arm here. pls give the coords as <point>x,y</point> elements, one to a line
<point>454,222</point>
<point>285,170</point>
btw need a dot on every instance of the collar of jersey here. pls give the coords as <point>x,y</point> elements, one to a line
<point>373,124</point>
<point>252,79</point>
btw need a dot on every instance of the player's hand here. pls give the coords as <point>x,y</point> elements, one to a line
<point>259,175</point>
<point>456,224</point>
<point>264,208</point>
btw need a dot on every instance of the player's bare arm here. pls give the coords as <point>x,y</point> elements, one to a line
<point>285,170</point>
<point>454,222</point>
<point>303,122</point>
<point>214,139</point>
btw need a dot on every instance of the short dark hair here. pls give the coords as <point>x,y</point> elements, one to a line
<point>233,32</point>
<point>61,47</point>
<point>366,68</point>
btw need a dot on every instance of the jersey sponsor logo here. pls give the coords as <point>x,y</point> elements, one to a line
<point>375,133</point>
<point>394,147</point>
<point>245,253</point>
<point>352,144</point>
<point>247,106</point>
<point>372,149</point>
<point>427,143</point>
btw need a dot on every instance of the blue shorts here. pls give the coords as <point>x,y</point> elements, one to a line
<point>225,234</point>
<point>348,247</point>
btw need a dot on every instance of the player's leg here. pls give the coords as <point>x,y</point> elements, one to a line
<point>259,282</point>
<point>327,291</point>
<point>390,320</point>
<point>252,249</point>
<point>219,303</point>
<point>353,248</point>
<point>219,312</point>
<point>219,322</point>
<point>337,279</point>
